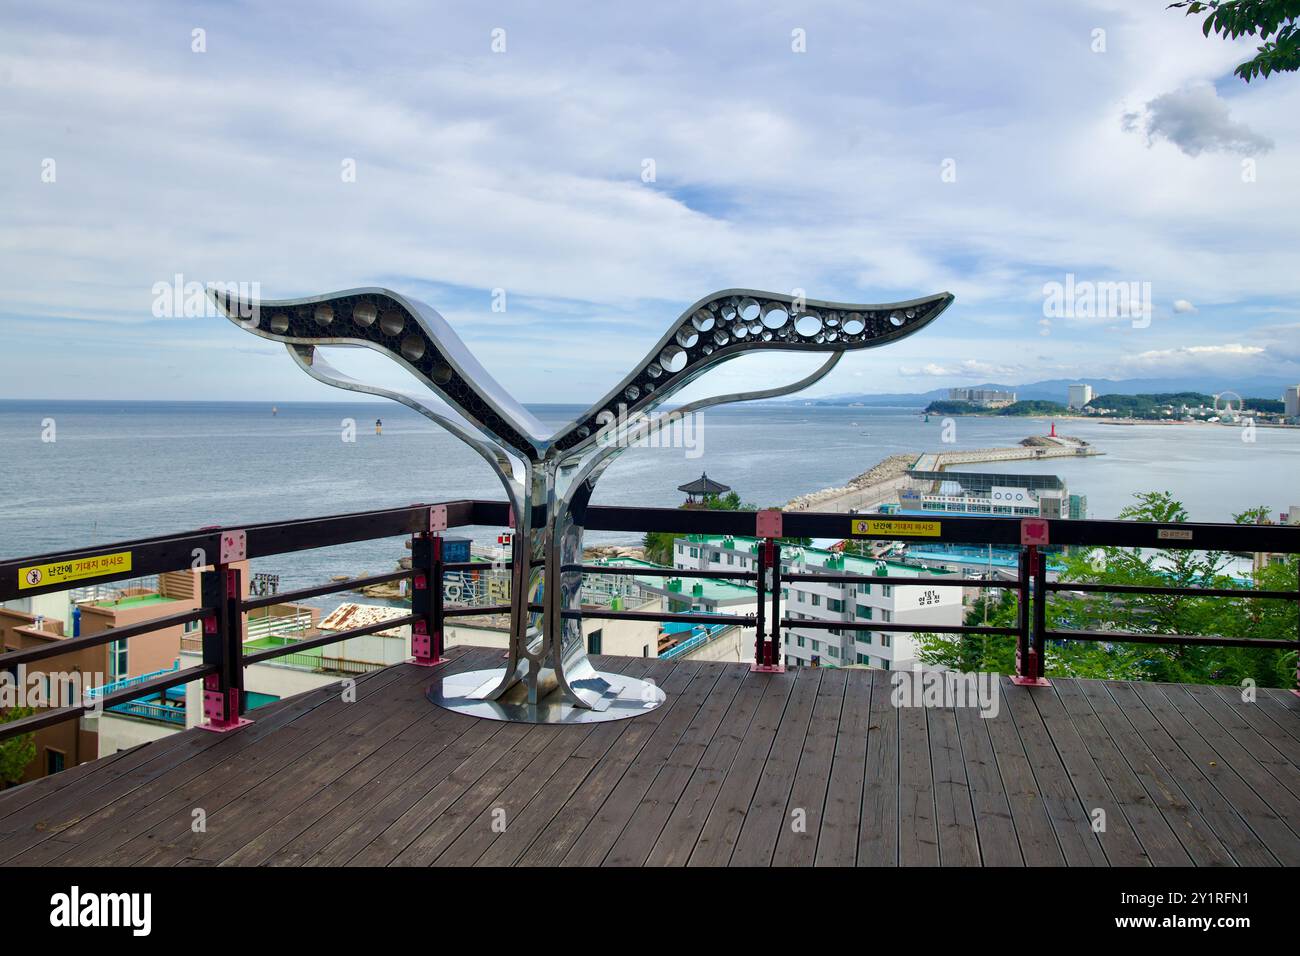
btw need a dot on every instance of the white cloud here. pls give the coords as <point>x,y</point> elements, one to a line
<point>1196,120</point>
<point>1182,306</point>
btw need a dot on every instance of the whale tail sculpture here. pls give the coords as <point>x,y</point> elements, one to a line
<point>548,478</point>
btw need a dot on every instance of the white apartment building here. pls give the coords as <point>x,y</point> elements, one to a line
<point>1079,396</point>
<point>854,605</point>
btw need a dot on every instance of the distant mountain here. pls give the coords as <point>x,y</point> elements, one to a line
<point>1056,389</point>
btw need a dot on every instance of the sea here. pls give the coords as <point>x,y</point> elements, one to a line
<point>77,474</point>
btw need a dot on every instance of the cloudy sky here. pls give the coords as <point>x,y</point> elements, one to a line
<point>608,164</point>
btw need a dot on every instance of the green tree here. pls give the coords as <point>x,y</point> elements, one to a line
<point>16,752</point>
<point>1186,614</point>
<point>1273,21</point>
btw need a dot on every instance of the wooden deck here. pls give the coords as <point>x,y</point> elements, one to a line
<point>807,767</point>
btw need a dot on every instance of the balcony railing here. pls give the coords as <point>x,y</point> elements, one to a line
<point>221,611</point>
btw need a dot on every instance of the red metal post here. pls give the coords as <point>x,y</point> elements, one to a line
<point>223,647</point>
<point>426,599</point>
<point>1031,639</point>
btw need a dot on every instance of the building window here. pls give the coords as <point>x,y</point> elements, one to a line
<point>731,558</point>
<point>799,640</point>
<point>695,552</point>
<point>53,761</point>
<point>885,615</point>
<point>864,659</point>
<point>864,588</point>
<point>816,600</point>
<point>593,642</point>
<point>118,660</point>
<point>835,605</point>
<point>865,612</point>
<point>887,590</point>
<point>817,645</point>
<point>832,650</point>
<point>864,637</point>
<point>645,650</point>
<point>886,640</point>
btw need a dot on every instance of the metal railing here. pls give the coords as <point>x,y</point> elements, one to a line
<point>222,609</point>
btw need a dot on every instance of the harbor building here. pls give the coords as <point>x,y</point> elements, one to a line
<point>855,606</point>
<point>987,397</point>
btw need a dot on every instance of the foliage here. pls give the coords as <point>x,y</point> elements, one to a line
<point>1275,19</point>
<point>1146,614</point>
<point>1027,407</point>
<point>658,545</point>
<point>16,752</point>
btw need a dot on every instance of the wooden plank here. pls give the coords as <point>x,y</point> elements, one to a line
<point>768,813</point>
<point>1273,751</point>
<point>128,784</point>
<point>954,810</point>
<point>639,836</point>
<point>157,821</point>
<point>878,829</point>
<point>717,837</point>
<point>1159,841</point>
<point>460,834</point>
<point>680,833</point>
<point>1261,722</point>
<point>837,841</point>
<point>596,840</point>
<point>797,846</point>
<point>524,825</point>
<point>918,834</point>
<point>1118,840</point>
<point>1070,818</point>
<point>994,827</point>
<point>1232,771</point>
<point>1246,847</point>
<point>559,836</point>
<point>1038,841</point>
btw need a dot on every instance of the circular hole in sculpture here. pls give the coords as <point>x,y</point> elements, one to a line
<point>853,324</point>
<point>895,318</point>
<point>808,324</point>
<point>364,315</point>
<point>413,347</point>
<point>728,312</point>
<point>703,320</point>
<point>911,313</point>
<point>653,370</point>
<point>687,336</point>
<point>392,322</point>
<point>721,337</point>
<point>632,393</point>
<point>279,322</point>
<point>775,315</point>
<point>441,373</point>
<point>749,309</point>
<point>324,314</point>
<point>673,359</point>
<point>740,330</point>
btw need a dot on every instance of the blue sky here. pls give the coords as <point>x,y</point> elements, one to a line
<point>1115,156</point>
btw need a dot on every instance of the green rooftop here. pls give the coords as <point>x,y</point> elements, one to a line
<point>832,561</point>
<point>136,600</point>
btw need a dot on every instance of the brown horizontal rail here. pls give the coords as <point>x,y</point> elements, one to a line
<point>70,645</point>
<point>1173,590</point>
<point>895,580</point>
<point>858,625</point>
<point>1136,637</point>
<point>288,597</point>
<point>743,620</point>
<point>662,572</point>
<point>48,718</point>
<point>271,653</point>
<point>475,611</point>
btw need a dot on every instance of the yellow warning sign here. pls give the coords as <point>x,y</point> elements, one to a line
<point>895,527</point>
<point>43,575</point>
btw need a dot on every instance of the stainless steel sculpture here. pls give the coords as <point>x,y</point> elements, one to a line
<point>548,479</point>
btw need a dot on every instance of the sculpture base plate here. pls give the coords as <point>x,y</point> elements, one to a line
<point>626,697</point>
